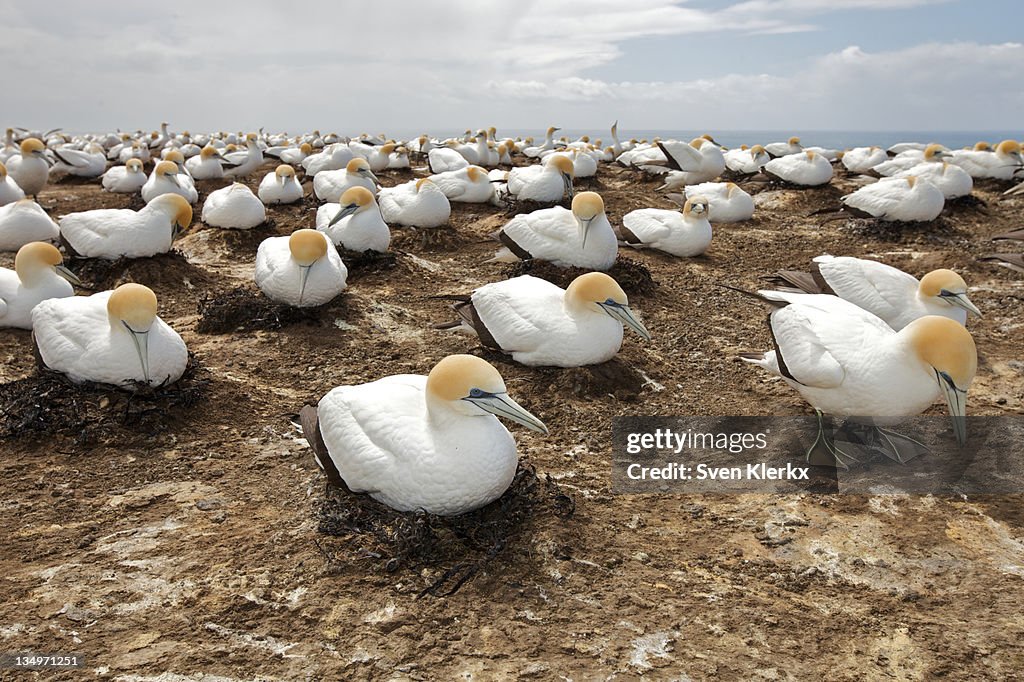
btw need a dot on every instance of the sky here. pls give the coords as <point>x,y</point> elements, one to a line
<point>396,66</point>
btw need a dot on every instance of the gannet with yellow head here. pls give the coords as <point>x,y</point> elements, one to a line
<point>30,169</point>
<point>302,270</point>
<point>780,149</point>
<point>331,184</point>
<point>9,189</point>
<point>113,233</point>
<point>38,274</point>
<point>240,164</point>
<point>355,223</point>
<point>113,337</point>
<point>164,180</point>
<point>296,155</point>
<point>545,183</point>
<point>421,443</point>
<point>903,199</point>
<point>417,203</point>
<point>1003,163</point>
<point>469,185</point>
<point>280,187</point>
<point>208,165</point>
<point>126,179</point>
<point>803,169</point>
<point>684,234</point>
<point>727,202</point>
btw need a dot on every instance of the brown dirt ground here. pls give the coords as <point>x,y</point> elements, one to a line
<point>186,547</point>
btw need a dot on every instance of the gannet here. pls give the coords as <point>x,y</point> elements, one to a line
<point>1001,164</point>
<point>30,169</point>
<point>355,223</point>
<point>544,183</point>
<point>421,443</point>
<point>240,164</point>
<point>747,161</point>
<point>541,324</point>
<point>910,158</point>
<point>549,143</point>
<point>25,221</point>
<point>164,180</point>
<point>86,163</point>
<point>113,337</point>
<point>121,232</point>
<point>280,187</point>
<point>126,179</point>
<point>334,157</point>
<point>953,181</point>
<point>582,237</point>
<point>10,148</point>
<point>443,159</point>
<point>209,165</point>
<point>863,159</point>
<point>417,203</point>
<point>847,362</point>
<point>727,202</point>
<point>684,234</point>
<point>379,157</point>
<point>296,155</point>
<point>234,207</point>
<point>399,159</point>
<point>468,185</point>
<point>905,199</point>
<point>38,274</point>
<point>691,163</point>
<point>780,149</point>
<point>887,292</point>
<point>9,189</point>
<point>331,184</point>
<point>805,169</point>
<point>302,270</point>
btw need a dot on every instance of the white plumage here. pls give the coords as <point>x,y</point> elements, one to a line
<point>863,159</point>
<point>234,207</point>
<point>25,221</point>
<point>953,181</point>
<point>9,189</point>
<point>468,185</point>
<point>302,270</point>
<point>38,274</point>
<point>545,183</point>
<point>280,187</point>
<point>360,227</point>
<point>329,185</point>
<point>727,202</point>
<point>417,203</point>
<point>904,199</point>
<point>164,180</point>
<point>115,232</point>
<point>805,169</point>
<point>127,179</point>
<point>684,234</point>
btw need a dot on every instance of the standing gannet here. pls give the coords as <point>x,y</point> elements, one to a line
<point>417,203</point>
<point>847,362</point>
<point>545,183</point>
<point>582,237</point>
<point>887,292</point>
<point>805,169</point>
<point>240,164</point>
<point>355,223</point>
<point>38,274</point>
<point>126,179</point>
<point>746,161</point>
<point>234,207</point>
<point>280,187</point>
<point>780,149</point>
<point>904,199</point>
<point>30,169</point>
<point>113,337</point>
<point>727,202</point>
<point>296,155</point>
<point>302,270</point>
<point>540,324</point>
<point>121,232</point>
<point>25,221</point>
<point>549,143</point>
<point>9,189</point>
<point>164,180</point>
<point>469,185</point>
<point>329,185</point>
<point>421,443</point>
<point>863,159</point>
<point>684,234</point>
<point>209,165</point>
<point>1000,164</point>
<point>86,163</point>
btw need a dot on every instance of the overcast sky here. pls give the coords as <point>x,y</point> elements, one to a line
<point>394,66</point>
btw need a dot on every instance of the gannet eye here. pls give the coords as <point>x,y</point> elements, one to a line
<point>609,301</point>
<point>476,393</point>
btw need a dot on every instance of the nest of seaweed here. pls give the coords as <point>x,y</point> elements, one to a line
<point>171,269</point>
<point>634,277</point>
<point>47,404</point>
<point>242,310</point>
<point>455,548</point>
<point>367,261</point>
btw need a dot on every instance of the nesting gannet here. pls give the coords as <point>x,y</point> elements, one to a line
<point>863,159</point>
<point>727,202</point>
<point>780,149</point>
<point>416,443</point>
<point>889,293</point>
<point>329,185</point>
<point>684,234</point>
<point>113,337</point>
<point>115,232</point>
<point>688,168</point>
<point>380,157</point>
<point>234,207</point>
<point>468,185</point>
<point>9,189</point>
<point>30,169</point>
<point>302,270</point>
<point>953,181</point>
<point>584,164</point>
<point>334,157</point>
<point>126,179</point>
<point>1000,164</point>
<point>85,163</point>
<point>582,237</point>
<point>25,221</point>
<point>540,324</point>
<point>280,187</point>
<point>900,147</point>
<point>164,180</point>
<point>240,164</point>
<point>746,161</point>
<point>909,159</point>
<point>847,362</point>
<point>805,169</point>
<point>417,203</point>
<point>904,199</point>
<point>444,159</point>
<point>544,183</point>
<point>399,159</point>
<point>38,274</point>
<point>355,223</point>
<point>209,165</point>
<point>296,155</point>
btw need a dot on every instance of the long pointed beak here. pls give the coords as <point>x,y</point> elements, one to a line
<point>501,405</point>
<point>584,228</point>
<point>567,181</point>
<point>957,402</point>
<point>369,173</point>
<point>343,213</point>
<point>961,301</point>
<point>625,315</point>
<point>141,341</point>
<point>68,275</point>
<point>305,278</point>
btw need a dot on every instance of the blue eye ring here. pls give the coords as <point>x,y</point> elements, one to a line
<point>476,393</point>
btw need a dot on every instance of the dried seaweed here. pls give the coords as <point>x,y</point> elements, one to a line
<point>634,277</point>
<point>242,309</point>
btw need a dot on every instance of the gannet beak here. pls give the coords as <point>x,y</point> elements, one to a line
<point>305,278</point>
<point>68,275</point>
<point>343,213</point>
<point>625,315</point>
<point>567,181</point>
<point>141,341</point>
<point>959,300</point>
<point>369,173</point>
<point>499,404</point>
<point>584,228</point>
<point>957,401</point>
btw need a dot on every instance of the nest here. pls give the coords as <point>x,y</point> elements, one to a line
<point>244,310</point>
<point>634,277</point>
<point>594,382</point>
<point>455,547</point>
<point>169,269</point>
<point>367,261</point>
<point>47,404</point>
<point>939,230</point>
<point>515,206</point>
<point>443,238</point>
